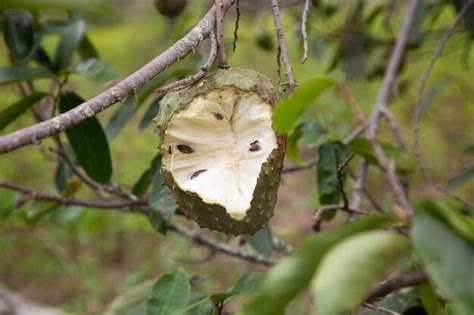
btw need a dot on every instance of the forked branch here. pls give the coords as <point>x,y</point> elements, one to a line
<point>34,134</point>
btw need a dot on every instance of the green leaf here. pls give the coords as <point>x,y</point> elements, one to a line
<point>430,299</point>
<point>161,206</point>
<point>88,142</point>
<point>292,274</point>
<point>19,73</point>
<point>87,50</point>
<point>121,116</point>
<point>96,70</point>
<point>287,112</point>
<point>404,162</point>
<point>447,258</point>
<point>292,150</point>
<point>18,33</point>
<point>351,268</point>
<point>460,223</point>
<point>460,178</point>
<point>14,111</point>
<point>71,37</point>
<point>246,284</point>
<point>146,178</point>
<point>170,294</point>
<point>150,113</point>
<point>330,155</point>
<point>261,241</point>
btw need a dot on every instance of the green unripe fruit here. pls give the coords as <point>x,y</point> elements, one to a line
<point>221,157</point>
<point>170,8</point>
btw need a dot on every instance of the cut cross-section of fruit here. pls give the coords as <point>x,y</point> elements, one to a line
<point>221,156</point>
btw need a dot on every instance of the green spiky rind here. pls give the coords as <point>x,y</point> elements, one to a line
<point>214,216</point>
<point>242,79</point>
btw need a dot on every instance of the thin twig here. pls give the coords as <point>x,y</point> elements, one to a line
<point>304,32</point>
<point>221,247</point>
<point>367,194</point>
<point>220,12</point>
<point>392,122</point>
<point>101,203</point>
<point>236,29</point>
<point>340,180</point>
<point>390,286</point>
<point>34,134</point>
<point>282,49</point>
<point>359,184</point>
<point>181,84</point>
<point>424,79</point>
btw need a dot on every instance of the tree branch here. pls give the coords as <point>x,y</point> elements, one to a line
<point>141,204</point>
<point>220,12</point>
<point>100,203</point>
<point>304,32</point>
<point>34,134</point>
<point>221,247</point>
<point>282,49</point>
<point>403,281</point>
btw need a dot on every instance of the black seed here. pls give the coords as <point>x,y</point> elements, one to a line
<point>197,173</point>
<point>186,149</point>
<point>170,151</point>
<point>218,116</point>
<point>254,146</point>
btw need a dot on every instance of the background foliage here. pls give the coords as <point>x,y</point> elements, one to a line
<point>56,53</point>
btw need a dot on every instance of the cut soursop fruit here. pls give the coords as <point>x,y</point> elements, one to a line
<point>221,157</point>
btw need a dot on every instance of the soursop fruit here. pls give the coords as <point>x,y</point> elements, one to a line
<point>221,157</point>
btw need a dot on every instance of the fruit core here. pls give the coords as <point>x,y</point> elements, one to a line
<point>215,147</point>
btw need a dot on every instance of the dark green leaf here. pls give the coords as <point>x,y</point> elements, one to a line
<point>261,241</point>
<point>460,178</point>
<point>404,162</point>
<point>16,74</point>
<point>14,111</point>
<point>199,304</point>
<point>161,205</point>
<point>293,273</point>
<point>42,58</point>
<point>18,33</point>
<point>330,155</point>
<point>121,116</point>
<point>288,111</point>
<point>88,142</point>
<point>71,37</point>
<point>96,70</point>
<point>447,258</point>
<point>87,50</point>
<point>150,113</point>
<point>146,178</point>
<point>170,294</point>
<point>352,267</point>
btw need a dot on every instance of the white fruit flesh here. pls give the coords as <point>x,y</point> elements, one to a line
<point>216,145</point>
